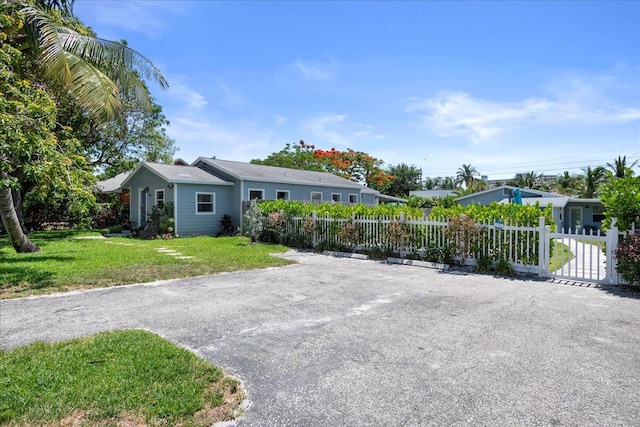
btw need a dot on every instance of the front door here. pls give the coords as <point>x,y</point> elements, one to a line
<point>576,219</point>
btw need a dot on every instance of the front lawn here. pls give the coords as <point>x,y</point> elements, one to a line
<point>70,261</point>
<point>113,378</point>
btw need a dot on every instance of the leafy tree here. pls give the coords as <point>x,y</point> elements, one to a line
<point>56,52</point>
<point>621,198</point>
<point>297,156</point>
<point>406,178</point>
<point>357,166</point>
<point>354,165</point>
<point>466,175</point>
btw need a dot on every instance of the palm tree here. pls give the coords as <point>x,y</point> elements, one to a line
<point>93,69</point>
<point>466,174</point>
<point>592,180</point>
<point>565,183</point>
<point>619,167</point>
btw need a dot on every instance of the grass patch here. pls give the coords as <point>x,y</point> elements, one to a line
<point>69,262</point>
<point>113,378</point>
<point>560,255</point>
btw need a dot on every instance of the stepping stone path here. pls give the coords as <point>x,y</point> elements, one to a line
<point>173,253</point>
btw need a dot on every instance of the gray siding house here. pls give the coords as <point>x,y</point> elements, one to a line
<point>568,212</point>
<point>210,188</point>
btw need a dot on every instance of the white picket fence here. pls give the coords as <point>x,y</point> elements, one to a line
<point>528,249</point>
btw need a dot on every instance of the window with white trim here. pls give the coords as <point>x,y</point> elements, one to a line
<point>159,199</point>
<point>282,194</point>
<point>316,196</point>
<point>255,193</point>
<point>597,214</point>
<point>353,198</point>
<point>205,203</point>
<point>336,197</point>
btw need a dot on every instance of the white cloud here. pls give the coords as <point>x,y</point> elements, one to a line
<point>571,100</point>
<point>179,90</point>
<point>230,98</point>
<point>334,129</point>
<point>315,71</point>
<point>280,120</point>
<point>199,136</point>
<point>150,18</point>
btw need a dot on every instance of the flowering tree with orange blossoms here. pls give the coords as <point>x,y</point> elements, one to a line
<point>356,166</point>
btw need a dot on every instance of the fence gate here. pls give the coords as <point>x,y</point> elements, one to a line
<point>580,256</point>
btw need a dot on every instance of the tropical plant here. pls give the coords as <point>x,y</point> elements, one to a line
<point>593,178</point>
<point>56,52</point>
<point>619,167</point>
<point>466,175</point>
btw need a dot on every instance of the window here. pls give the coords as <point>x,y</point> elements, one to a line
<point>336,197</point>
<point>205,203</point>
<point>353,198</point>
<point>282,194</point>
<point>256,194</point>
<point>598,213</point>
<point>160,199</point>
<point>316,196</point>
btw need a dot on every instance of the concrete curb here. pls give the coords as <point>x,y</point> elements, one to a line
<point>346,255</point>
<point>418,263</point>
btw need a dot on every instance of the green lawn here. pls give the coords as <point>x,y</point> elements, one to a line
<point>114,378</point>
<point>559,253</point>
<point>69,262</point>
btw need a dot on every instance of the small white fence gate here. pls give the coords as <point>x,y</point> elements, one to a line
<point>579,256</point>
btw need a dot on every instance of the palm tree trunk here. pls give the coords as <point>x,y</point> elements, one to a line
<point>18,239</point>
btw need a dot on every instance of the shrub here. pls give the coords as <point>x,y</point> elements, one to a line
<point>628,254</point>
<point>464,234</point>
<point>253,221</point>
<point>226,226</point>
<point>504,268</point>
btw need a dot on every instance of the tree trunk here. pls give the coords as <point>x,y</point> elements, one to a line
<point>18,239</point>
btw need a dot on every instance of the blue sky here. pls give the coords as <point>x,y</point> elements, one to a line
<point>504,86</point>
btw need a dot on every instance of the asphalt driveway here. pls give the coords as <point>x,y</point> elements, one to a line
<point>334,341</point>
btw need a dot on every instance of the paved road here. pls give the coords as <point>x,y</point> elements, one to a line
<point>332,341</point>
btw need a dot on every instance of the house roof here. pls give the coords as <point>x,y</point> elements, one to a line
<point>543,202</point>
<point>179,174</point>
<point>112,185</point>
<point>248,171</point>
<point>510,187</point>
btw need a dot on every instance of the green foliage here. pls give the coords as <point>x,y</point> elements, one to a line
<point>252,221</point>
<point>431,202</point>
<point>406,178</point>
<point>292,208</point>
<point>299,156</point>
<point>511,214</point>
<point>621,198</point>
<point>503,267</point>
<point>484,264</point>
<point>103,379</point>
<point>160,223</point>
<point>628,255</point>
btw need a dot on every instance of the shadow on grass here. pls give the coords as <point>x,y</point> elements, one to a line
<point>25,278</point>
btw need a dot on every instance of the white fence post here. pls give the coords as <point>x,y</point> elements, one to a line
<point>542,247</point>
<point>612,262</point>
